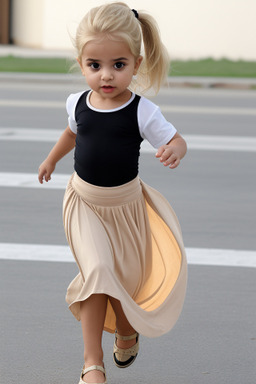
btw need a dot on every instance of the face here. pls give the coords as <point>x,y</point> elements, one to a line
<point>108,67</point>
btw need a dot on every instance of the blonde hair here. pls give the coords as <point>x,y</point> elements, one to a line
<point>118,22</point>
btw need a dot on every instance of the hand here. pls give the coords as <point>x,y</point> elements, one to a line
<point>169,156</point>
<point>45,170</point>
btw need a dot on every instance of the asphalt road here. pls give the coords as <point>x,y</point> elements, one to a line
<point>213,194</point>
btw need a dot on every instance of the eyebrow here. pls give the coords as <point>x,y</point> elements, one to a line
<point>92,60</point>
<point>118,59</point>
<point>121,59</point>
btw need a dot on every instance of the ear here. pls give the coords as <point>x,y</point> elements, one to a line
<point>80,64</point>
<point>137,64</point>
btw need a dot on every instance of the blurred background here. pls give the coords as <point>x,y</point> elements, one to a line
<point>190,29</point>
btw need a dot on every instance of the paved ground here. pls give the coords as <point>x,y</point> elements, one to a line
<point>213,195</point>
<point>213,342</point>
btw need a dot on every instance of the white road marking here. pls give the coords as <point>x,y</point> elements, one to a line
<point>221,257</point>
<point>30,134</point>
<point>32,103</point>
<point>194,142</point>
<point>164,108</point>
<point>214,143</point>
<point>35,252</point>
<point>62,253</point>
<point>30,180</point>
<point>208,110</point>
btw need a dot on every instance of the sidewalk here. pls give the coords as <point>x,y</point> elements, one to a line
<point>14,50</point>
<point>175,81</point>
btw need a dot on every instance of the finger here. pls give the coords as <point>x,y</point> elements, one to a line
<point>166,155</point>
<point>160,151</point>
<point>44,175</point>
<point>47,177</point>
<point>40,177</point>
<point>174,164</point>
<point>169,159</point>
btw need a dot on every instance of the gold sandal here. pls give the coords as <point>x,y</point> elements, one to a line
<point>123,358</point>
<point>92,368</point>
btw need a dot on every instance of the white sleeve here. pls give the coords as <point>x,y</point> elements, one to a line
<point>71,107</point>
<point>152,124</point>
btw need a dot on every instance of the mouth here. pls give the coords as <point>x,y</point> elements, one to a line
<point>107,88</point>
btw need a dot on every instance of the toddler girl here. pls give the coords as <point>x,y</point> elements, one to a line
<point>123,234</point>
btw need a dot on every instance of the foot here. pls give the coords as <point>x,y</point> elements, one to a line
<point>94,376</point>
<point>125,344</point>
<point>126,351</point>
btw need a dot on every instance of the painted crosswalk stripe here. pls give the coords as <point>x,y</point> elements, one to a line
<point>62,253</point>
<point>194,142</point>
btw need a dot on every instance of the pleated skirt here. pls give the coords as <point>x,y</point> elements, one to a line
<point>127,244</point>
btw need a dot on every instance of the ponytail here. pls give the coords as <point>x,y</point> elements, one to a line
<point>155,66</point>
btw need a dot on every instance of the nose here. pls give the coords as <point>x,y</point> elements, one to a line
<point>106,74</point>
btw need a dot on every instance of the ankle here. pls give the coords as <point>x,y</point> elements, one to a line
<point>124,329</point>
<point>126,340</point>
<point>93,359</point>
<point>89,362</point>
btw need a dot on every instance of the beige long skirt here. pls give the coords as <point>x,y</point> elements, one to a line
<point>127,243</point>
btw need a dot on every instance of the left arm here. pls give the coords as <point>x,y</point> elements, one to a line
<point>171,153</point>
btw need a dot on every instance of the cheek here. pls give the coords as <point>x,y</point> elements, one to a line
<point>123,80</point>
<point>126,76</point>
<point>90,76</point>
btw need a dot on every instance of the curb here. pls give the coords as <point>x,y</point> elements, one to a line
<point>213,82</point>
<point>40,77</point>
<point>175,82</point>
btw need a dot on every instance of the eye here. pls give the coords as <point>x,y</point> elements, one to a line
<point>119,65</point>
<point>94,66</point>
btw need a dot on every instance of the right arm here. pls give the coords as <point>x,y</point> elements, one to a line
<point>63,146</point>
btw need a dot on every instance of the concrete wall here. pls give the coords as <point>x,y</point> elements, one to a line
<point>27,22</point>
<point>189,29</point>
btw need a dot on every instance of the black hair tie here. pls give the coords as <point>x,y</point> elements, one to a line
<point>135,13</point>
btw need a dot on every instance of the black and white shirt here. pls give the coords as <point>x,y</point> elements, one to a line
<point>108,141</point>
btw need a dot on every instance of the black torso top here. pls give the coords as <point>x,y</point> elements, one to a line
<point>107,144</point>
